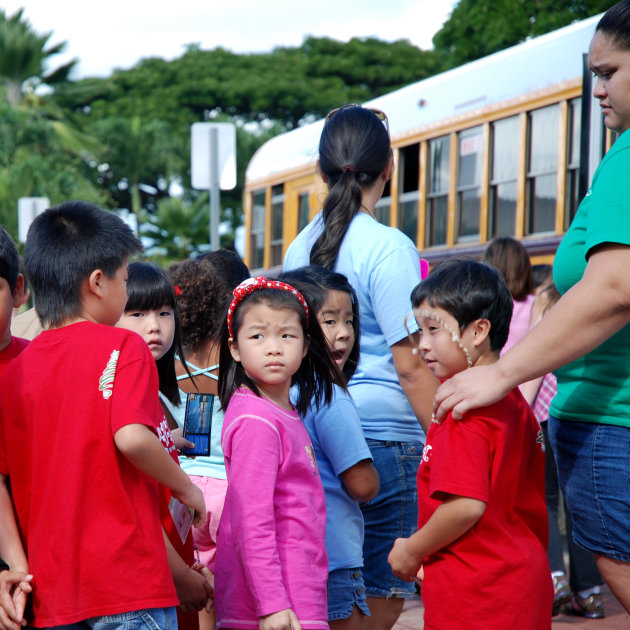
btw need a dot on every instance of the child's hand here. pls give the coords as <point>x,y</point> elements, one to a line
<point>14,589</point>
<point>194,591</point>
<point>193,498</point>
<point>404,565</point>
<point>180,441</point>
<point>281,620</point>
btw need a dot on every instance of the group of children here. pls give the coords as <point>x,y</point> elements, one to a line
<point>88,466</point>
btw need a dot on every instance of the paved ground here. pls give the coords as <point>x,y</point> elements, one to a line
<point>616,618</point>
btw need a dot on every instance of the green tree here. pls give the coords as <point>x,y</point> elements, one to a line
<point>477,28</point>
<point>24,55</point>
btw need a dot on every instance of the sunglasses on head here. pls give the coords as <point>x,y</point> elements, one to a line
<point>382,116</point>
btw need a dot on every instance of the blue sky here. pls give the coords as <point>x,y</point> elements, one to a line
<point>117,33</point>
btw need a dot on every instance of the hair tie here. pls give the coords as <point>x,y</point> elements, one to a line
<point>256,284</point>
<point>178,291</point>
<point>351,168</point>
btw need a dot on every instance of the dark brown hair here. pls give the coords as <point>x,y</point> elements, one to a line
<point>511,258</point>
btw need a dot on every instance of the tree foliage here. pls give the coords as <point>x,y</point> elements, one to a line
<point>477,28</point>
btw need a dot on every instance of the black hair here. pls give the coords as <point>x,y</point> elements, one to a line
<point>9,259</point>
<point>317,373</point>
<point>150,288</point>
<point>469,290</point>
<point>510,257</point>
<point>615,24</point>
<point>541,274</point>
<point>64,245</point>
<point>352,137</point>
<point>228,264</point>
<point>315,283</point>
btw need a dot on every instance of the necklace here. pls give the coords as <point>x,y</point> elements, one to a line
<point>372,213</point>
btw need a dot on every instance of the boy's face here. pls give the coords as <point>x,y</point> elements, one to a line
<point>114,296</point>
<point>441,343</point>
<point>8,300</point>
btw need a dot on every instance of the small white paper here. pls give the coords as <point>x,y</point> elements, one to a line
<point>182,517</point>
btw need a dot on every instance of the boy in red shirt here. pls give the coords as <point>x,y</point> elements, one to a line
<point>78,438</point>
<point>482,525</point>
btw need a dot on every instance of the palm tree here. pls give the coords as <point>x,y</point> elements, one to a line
<point>23,56</point>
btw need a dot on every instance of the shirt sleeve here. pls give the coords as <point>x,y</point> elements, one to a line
<point>340,435</point>
<point>255,455</point>
<point>391,284</point>
<point>460,461</point>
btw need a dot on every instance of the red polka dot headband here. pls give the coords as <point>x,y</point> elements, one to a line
<point>256,284</point>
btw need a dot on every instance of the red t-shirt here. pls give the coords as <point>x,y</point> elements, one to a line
<point>89,520</point>
<point>185,620</point>
<point>496,576</point>
<point>16,345</point>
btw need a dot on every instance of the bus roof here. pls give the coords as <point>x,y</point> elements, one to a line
<point>534,65</point>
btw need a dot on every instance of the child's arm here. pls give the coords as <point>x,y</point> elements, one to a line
<point>194,591</point>
<point>452,519</point>
<point>361,480</point>
<point>14,584</point>
<point>142,447</point>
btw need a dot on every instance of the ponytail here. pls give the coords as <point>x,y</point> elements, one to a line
<point>354,150</point>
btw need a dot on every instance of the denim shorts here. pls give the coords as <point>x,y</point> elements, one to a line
<point>345,591</point>
<point>146,619</point>
<point>594,475</point>
<point>392,514</point>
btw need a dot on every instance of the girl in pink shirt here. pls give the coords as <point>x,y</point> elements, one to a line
<point>271,566</point>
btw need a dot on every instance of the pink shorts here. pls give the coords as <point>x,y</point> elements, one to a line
<point>205,536</point>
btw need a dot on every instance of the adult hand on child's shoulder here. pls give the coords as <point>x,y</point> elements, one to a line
<point>281,620</point>
<point>405,565</point>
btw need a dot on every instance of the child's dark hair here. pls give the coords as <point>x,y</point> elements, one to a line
<point>469,290</point>
<point>314,283</point>
<point>205,291</point>
<point>615,23</point>
<point>510,257</point>
<point>317,373</point>
<point>150,288</point>
<point>9,259</point>
<point>354,150</point>
<point>64,245</point>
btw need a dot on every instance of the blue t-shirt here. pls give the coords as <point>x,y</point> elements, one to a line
<point>383,266</point>
<point>339,444</point>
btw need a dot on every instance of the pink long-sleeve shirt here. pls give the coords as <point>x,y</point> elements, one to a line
<point>271,542</point>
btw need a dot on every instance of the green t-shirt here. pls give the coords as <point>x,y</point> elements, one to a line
<point>596,387</point>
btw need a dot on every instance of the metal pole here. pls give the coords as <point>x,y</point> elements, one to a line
<point>215,195</point>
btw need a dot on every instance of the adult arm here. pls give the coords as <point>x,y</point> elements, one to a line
<point>416,379</point>
<point>14,584</point>
<point>142,447</point>
<point>588,314</point>
<point>451,520</point>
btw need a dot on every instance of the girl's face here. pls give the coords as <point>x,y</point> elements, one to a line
<point>336,320</point>
<point>156,327</point>
<point>611,66</point>
<point>441,343</point>
<point>270,344</point>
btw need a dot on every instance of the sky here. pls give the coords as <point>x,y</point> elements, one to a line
<point>117,33</point>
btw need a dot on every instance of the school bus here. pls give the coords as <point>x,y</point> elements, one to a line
<point>505,145</point>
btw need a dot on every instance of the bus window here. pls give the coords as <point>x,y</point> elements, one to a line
<point>469,183</point>
<point>257,235</point>
<point>503,175</point>
<point>542,169</point>
<point>303,211</point>
<point>437,194</point>
<point>571,200</point>
<point>277,224</point>
<point>384,206</point>
<point>408,170</point>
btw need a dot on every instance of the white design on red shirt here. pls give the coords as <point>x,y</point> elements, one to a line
<point>106,382</point>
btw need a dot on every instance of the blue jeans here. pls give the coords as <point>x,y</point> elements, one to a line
<point>345,591</point>
<point>392,514</point>
<point>594,474</point>
<point>146,619</point>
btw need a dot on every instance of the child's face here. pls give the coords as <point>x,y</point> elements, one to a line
<point>441,343</point>
<point>8,300</point>
<point>336,319</point>
<point>270,345</point>
<point>156,327</point>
